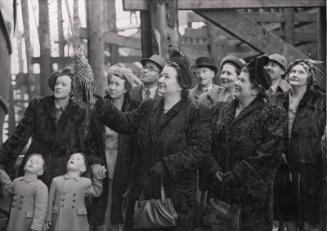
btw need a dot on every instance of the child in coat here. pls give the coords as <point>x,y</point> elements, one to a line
<point>66,208</point>
<point>30,196</point>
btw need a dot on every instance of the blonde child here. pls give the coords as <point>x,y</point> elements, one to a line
<point>30,196</point>
<point>66,208</point>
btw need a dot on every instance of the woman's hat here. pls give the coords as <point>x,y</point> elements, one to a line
<point>205,62</point>
<point>258,74</point>
<point>182,64</point>
<point>239,63</point>
<point>54,75</point>
<point>279,59</point>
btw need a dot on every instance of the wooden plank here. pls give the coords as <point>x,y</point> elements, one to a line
<point>265,17</point>
<point>227,4</point>
<point>289,25</point>
<point>114,38</point>
<point>250,33</point>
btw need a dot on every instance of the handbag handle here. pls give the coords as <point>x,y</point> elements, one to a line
<point>162,189</point>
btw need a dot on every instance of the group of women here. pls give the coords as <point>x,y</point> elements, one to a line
<point>238,142</point>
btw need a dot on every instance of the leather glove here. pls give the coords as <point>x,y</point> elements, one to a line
<point>158,169</point>
<point>99,171</point>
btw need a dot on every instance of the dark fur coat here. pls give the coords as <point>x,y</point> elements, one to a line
<point>55,141</point>
<point>249,148</point>
<point>181,139</point>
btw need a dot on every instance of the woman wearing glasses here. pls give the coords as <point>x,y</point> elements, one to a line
<point>173,137</point>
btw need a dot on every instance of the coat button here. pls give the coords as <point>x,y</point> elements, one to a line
<point>74,194</point>
<point>63,199</point>
<point>62,206</point>
<point>20,208</point>
<point>73,206</point>
<point>22,197</point>
<point>13,206</point>
<point>74,200</point>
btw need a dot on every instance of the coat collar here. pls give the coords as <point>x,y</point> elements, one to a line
<point>283,86</point>
<point>170,114</point>
<point>28,179</point>
<point>231,109</point>
<point>50,107</point>
<point>76,178</point>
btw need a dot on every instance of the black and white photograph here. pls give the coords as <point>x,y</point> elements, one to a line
<point>163,115</point>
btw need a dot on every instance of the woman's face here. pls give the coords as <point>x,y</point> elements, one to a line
<point>168,84</point>
<point>298,76</point>
<point>228,76</point>
<point>243,87</point>
<point>116,87</point>
<point>63,87</point>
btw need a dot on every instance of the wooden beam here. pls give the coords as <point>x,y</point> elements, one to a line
<point>227,4</point>
<point>44,38</point>
<point>146,34</point>
<point>265,17</point>
<point>289,25</point>
<point>164,26</point>
<point>321,27</point>
<point>95,24</point>
<point>69,60</point>
<point>250,33</point>
<point>114,38</point>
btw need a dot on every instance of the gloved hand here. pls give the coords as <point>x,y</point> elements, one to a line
<point>99,171</point>
<point>158,169</point>
<point>229,179</point>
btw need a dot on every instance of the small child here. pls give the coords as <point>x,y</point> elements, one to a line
<point>66,209</point>
<point>30,196</point>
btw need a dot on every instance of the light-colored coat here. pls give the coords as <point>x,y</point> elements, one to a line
<point>67,210</point>
<point>29,204</point>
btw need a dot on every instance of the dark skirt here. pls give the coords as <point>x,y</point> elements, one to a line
<point>297,195</point>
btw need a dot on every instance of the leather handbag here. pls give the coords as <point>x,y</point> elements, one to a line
<point>154,213</point>
<point>221,216</point>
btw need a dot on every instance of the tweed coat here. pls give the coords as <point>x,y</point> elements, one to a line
<point>29,204</point>
<point>305,159</point>
<point>122,174</point>
<point>181,139</point>
<point>197,92</point>
<point>277,98</point>
<point>249,147</point>
<point>66,208</point>
<point>54,141</point>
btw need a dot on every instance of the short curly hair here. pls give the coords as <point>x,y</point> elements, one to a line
<point>123,73</point>
<point>308,67</point>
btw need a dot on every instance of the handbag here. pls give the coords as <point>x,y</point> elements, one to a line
<point>221,216</point>
<point>154,213</point>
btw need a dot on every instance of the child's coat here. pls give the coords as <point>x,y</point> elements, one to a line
<point>29,204</point>
<point>66,210</point>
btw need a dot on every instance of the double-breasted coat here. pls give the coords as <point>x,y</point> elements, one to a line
<point>54,140</point>
<point>122,174</point>
<point>29,205</point>
<point>180,138</point>
<point>66,207</point>
<point>249,147</point>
